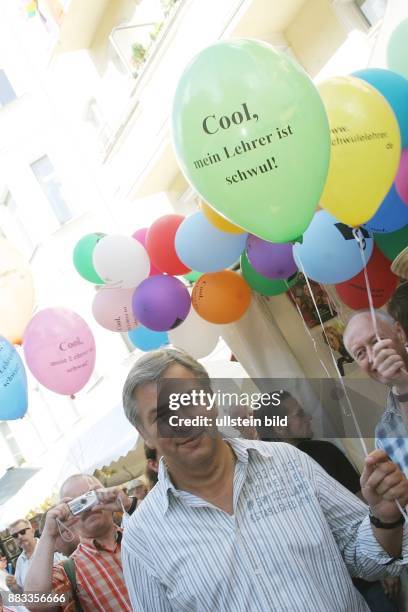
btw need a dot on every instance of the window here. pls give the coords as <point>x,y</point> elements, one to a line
<point>373,10</point>
<point>45,174</point>
<point>11,443</point>
<point>7,93</point>
<point>13,227</point>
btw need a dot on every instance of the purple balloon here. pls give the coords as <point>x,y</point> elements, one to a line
<point>270,259</point>
<point>161,302</point>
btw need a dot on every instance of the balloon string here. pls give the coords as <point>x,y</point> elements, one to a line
<point>308,330</point>
<point>360,241</point>
<point>344,388</point>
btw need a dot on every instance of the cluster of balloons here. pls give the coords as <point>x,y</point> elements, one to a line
<point>265,148</point>
<point>154,304</point>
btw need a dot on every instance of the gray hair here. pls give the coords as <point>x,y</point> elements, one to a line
<point>23,521</point>
<point>379,314</point>
<point>149,369</point>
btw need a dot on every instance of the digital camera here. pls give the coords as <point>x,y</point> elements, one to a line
<point>83,502</point>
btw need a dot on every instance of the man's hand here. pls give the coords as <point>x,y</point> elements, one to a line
<point>11,582</point>
<point>391,586</point>
<point>109,499</point>
<point>382,483</point>
<point>389,365</point>
<point>62,513</point>
<point>13,585</point>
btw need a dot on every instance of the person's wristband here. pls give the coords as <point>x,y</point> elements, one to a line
<point>133,505</point>
<point>380,525</point>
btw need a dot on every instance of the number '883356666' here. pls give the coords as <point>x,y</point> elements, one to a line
<point>29,598</point>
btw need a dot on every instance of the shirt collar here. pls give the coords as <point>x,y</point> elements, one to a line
<point>241,449</point>
<point>392,406</point>
<point>95,545</point>
<point>23,553</point>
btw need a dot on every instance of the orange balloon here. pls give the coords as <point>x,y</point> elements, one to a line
<point>218,221</point>
<point>16,293</point>
<point>221,297</point>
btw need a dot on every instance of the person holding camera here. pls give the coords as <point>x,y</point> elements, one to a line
<point>92,578</point>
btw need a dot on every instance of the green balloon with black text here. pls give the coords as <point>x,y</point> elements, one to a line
<point>251,134</point>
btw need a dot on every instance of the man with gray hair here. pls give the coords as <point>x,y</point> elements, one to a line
<point>244,525</point>
<point>381,353</point>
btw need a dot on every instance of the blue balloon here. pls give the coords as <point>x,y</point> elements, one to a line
<point>146,339</point>
<point>13,383</point>
<point>394,88</point>
<point>391,216</point>
<point>204,248</point>
<point>329,252</point>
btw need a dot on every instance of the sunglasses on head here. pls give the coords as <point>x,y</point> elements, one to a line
<point>19,533</point>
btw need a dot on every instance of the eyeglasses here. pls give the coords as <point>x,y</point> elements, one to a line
<point>19,533</point>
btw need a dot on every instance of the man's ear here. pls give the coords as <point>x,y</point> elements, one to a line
<point>153,465</point>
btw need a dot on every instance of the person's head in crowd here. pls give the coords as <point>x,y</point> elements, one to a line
<point>360,341</point>
<point>299,422</point>
<point>3,562</point>
<point>152,465</point>
<point>398,307</point>
<point>138,489</point>
<point>64,547</point>
<point>149,402</point>
<point>23,534</point>
<point>92,523</point>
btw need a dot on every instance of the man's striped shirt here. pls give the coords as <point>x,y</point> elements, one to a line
<point>295,538</point>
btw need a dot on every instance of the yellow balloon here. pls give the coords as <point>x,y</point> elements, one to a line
<point>219,222</point>
<point>16,293</point>
<point>365,149</point>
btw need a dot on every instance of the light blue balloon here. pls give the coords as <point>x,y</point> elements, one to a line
<point>329,252</point>
<point>146,339</point>
<point>394,88</point>
<point>204,248</point>
<point>391,216</point>
<point>13,383</point>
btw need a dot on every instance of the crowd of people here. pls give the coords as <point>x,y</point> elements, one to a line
<point>282,522</point>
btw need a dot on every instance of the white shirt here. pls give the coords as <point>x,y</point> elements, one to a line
<point>294,540</point>
<point>23,565</point>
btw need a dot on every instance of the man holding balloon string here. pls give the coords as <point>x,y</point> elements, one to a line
<point>243,525</point>
<point>380,351</point>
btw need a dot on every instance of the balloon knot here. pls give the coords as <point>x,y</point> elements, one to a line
<point>72,397</point>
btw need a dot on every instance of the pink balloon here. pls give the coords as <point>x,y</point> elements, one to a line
<point>401,180</point>
<point>140,236</point>
<point>112,308</point>
<point>59,349</point>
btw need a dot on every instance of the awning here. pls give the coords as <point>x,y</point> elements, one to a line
<point>99,443</point>
<point>13,480</point>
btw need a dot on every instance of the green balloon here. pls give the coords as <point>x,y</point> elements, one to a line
<point>397,50</point>
<point>261,284</point>
<point>252,136</point>
<point>83,257</point>
<point>193,276</point>
<point>393,243</point>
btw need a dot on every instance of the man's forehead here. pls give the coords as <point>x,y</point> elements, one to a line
<point>19,526</point>
<point>82,485</point>
<point>362,327</point>
<point>176,379</point>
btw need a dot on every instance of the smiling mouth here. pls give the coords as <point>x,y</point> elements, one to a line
<point>191,439</point>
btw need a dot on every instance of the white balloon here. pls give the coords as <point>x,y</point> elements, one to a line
<point>121,261</point>
<point>195,336</point>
